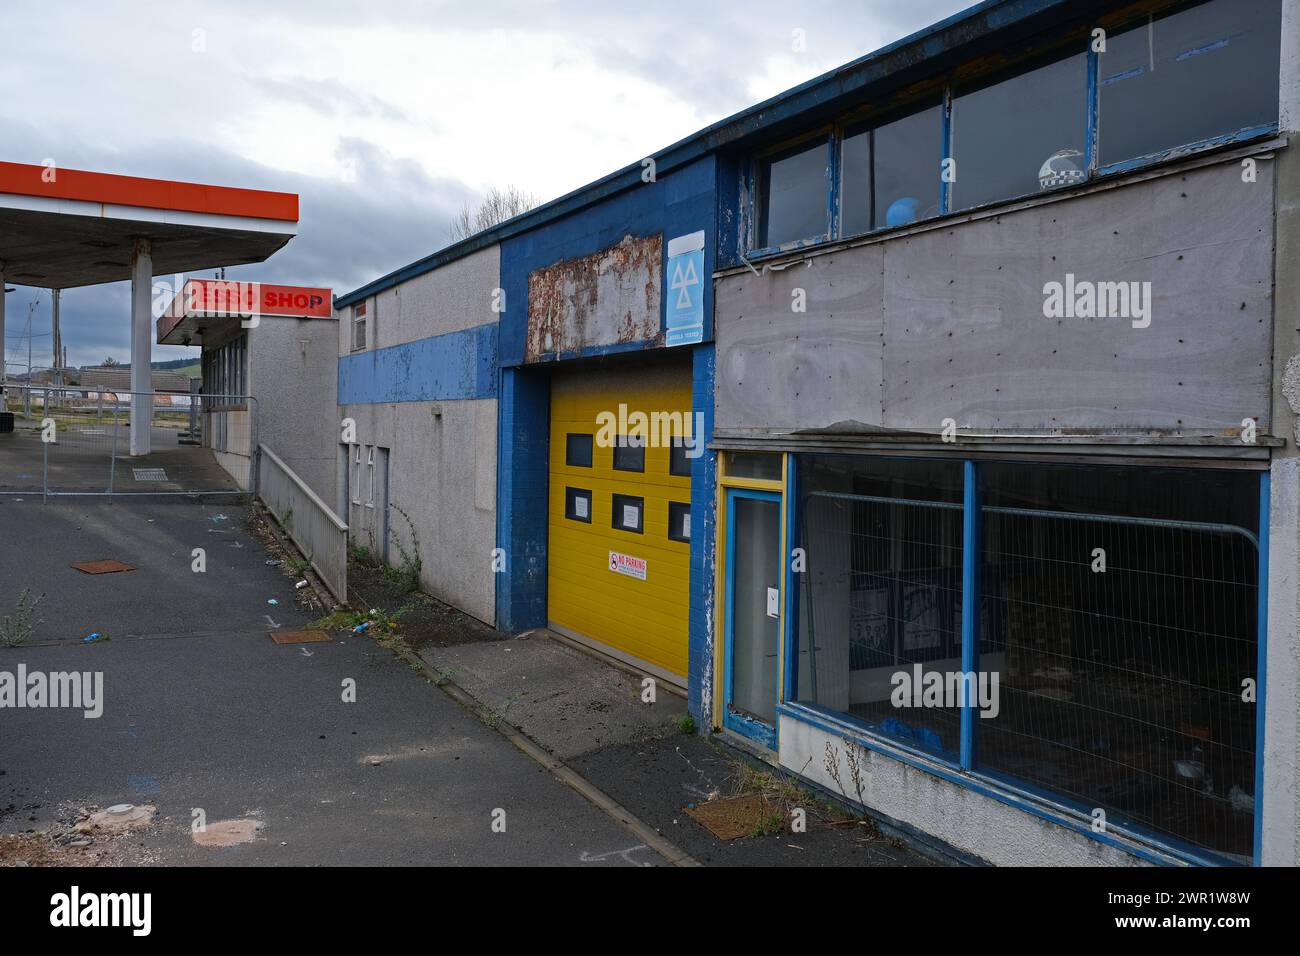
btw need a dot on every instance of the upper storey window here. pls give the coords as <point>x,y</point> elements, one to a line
<point>1199,77</point>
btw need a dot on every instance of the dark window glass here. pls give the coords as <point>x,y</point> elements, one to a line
<point>629,513</point>
<point>1188,77</point>
<point>577,450</point>
<point>679,521</point>
<point>1120,681</point>
<point>881,593</point>
<point>890,173</point>
<point>794,199</point>
<point>679,463</point>
<point>629,454</point>
<point>754,464</point>
<point>577,504</point>
<point>1022,135</point>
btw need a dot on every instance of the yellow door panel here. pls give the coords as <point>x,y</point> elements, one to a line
<point>645,619</point>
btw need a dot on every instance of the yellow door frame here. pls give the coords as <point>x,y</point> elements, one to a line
<point>778,486</point>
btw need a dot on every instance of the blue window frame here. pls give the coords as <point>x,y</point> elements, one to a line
<point>1132,680</point>
<point>754,721</point>
<point>1202,76</point>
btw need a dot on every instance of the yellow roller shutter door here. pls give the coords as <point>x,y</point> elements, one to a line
<point>622,588</point>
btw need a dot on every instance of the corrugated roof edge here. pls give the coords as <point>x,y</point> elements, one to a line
<point>932,42</point>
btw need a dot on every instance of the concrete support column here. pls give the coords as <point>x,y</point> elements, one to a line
<point>141,346</point>
<point>1280,826</point>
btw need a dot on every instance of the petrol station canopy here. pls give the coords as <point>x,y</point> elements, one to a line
<point>63,228</point>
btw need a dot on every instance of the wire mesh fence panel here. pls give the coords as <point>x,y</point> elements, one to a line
<point>1122,646</point>
<point>77,440</point>
<point>881,597</point>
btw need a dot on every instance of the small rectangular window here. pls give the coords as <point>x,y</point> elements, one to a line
<point>1022,135</point>
<point>358,326</point>
<point>753,464</point>
<point>679,521</point>
<point>629,513</point>
<point>370,475</point>
<point>577,450</point>
<point>679,463</point>
<point>356,474</point>
<point>1189,77</point>
<point>794,198</point>
<point>577,504</point>
<point>890,174</point>
<point>629,455</point>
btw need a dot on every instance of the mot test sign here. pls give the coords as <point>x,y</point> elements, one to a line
<point>627,565</point>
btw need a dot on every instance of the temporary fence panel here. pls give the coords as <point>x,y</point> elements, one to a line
<point>76,440</point>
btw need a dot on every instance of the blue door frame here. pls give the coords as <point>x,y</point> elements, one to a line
<point>743,724</point>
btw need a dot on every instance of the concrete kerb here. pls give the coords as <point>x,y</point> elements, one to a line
<point>571,778</point>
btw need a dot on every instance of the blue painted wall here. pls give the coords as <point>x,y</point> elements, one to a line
<point>680,203</point>
<point>440,368</point>
<point>704,526</point>
<point>524,422</point>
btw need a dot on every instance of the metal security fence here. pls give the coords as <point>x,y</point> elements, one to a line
<point>1123,647</point>
<point>317,531</point>
<point>882,593</point>
<point>76,440</point>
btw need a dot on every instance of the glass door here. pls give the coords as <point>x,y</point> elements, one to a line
<point>753,613</point>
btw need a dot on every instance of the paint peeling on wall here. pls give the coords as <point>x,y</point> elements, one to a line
<point>609,298</point>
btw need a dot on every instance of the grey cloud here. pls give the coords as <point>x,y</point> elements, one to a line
<point>331,98</point>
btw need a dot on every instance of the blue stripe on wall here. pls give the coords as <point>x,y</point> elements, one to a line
<point>440,368</point>
<point>675,205</point>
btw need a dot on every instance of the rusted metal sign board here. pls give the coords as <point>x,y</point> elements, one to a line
<point>609,298</point>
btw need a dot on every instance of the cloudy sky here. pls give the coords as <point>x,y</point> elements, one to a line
<point>386,116</point>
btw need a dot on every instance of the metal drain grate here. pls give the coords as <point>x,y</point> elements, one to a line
<point>149,474</point>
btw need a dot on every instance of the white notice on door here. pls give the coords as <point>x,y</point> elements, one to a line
<point>580,506</point>
<point>631,516</point>
<point>773,603</point>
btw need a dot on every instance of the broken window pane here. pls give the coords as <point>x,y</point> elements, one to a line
<point>794,197</point>
<point>1022,135</point>
<point>1182,79</point>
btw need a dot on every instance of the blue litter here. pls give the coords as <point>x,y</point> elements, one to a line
<point>361,627</point>
<point>272,601</point>
<point>92,637</point>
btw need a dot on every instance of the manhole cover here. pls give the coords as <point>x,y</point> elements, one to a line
<point>299,637</point>
<point>149,474</point>
<point>102,567</point>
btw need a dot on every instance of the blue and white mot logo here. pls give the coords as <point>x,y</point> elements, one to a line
<point>685,298</point>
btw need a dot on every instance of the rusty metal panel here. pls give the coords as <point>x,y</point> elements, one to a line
<point>608,298</point>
